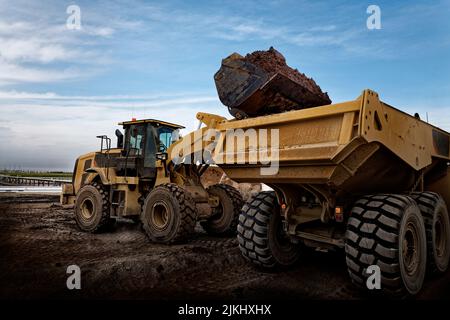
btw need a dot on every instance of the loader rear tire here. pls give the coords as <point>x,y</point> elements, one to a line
<point>168,215</point>
<point>387,231</point>
<point>92,209</point>
<point>261,237</point>
<point>225,217</point>
<point>437,226</point>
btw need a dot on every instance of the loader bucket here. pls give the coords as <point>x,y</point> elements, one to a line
<point>251,86</point>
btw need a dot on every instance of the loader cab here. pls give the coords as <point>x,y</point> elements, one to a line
<point>144,147</point>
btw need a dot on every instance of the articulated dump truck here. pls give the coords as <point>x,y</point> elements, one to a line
<point>358,175</point>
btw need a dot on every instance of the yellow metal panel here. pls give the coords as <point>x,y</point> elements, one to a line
<point>347,127</point>
<point>125,180</point>
<point>403,134</point>
<point>281,118</point>
<point>132,206</point>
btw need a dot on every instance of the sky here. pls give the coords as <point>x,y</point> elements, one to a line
<point>60,87</point>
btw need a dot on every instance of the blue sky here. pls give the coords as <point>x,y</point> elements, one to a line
<point>59,88</point>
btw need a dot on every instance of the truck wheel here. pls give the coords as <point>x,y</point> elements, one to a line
<point>92,208</point>
<point>225,217</point>
<point>261,237</point>
<point>387,231</point>
<point>437,226</point>
<point>168,214</point>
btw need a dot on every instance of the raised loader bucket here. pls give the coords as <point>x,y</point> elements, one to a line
<point>261,83</point>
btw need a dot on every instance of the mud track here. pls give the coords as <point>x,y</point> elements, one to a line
<point>39,239</point>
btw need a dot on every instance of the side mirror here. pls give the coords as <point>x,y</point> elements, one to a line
<point>119,136</point>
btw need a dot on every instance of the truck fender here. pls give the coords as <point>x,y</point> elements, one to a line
<point>94,173</point>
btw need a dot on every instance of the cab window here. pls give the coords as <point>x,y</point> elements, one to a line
<point>135,141</point>
<point>165,138</point>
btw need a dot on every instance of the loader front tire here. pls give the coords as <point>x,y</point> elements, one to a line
<point>261,237</point>
<point>168,215</point>
<point>437,226</point>
<point>387,231</point>
<point>225,217</point>
<point>92,208</point>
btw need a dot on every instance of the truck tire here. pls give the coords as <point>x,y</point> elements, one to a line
<point>168,215</point>
<point>437,226</point>
<point>92,208</point>
<point>260,233</point>
<point>388,231</point>
<point>225,217</point>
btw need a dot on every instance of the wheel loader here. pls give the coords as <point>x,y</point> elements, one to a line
<point>361,176</point>
<point>139,181</point>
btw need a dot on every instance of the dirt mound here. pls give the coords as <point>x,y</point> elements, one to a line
<point>274,62</point>
<point>262,83</point>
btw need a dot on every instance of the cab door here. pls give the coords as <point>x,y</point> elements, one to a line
<point>149,162</point>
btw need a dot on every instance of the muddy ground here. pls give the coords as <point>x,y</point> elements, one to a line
<point>39,239</point>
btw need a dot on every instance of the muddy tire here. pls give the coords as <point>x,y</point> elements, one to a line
<point>387,231</point>
<point>168,215</point>
<point>225,217</point>
<point>437,226</point>
<point>92,209</point>
<point>260,233</point>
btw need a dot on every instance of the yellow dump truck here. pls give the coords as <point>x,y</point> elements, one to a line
<point>358,175</point>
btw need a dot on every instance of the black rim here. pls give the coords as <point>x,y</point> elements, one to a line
<point>281,239</point>
<point>218,213</point>
<point>439,233</point>
<point>411,255</point>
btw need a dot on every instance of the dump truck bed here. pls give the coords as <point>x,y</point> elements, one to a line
<point>355,146</point>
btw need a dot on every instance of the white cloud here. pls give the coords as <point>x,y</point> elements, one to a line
<point>13,27</point>
<point>110,101</point>
<point>23,95</point>
<point>52,126</point>
<point>36,46</point>
<point>325,28</point>
<point>34,50</point>
<point>35,42</point>
<point>99,31</point>
<point>11,73</point>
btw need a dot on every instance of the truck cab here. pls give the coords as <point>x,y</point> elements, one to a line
<point>144,147</point>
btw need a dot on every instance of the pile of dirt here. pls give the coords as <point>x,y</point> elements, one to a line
<point>272,61</point>
<point>262,83</point>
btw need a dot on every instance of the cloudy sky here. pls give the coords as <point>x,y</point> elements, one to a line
<point>59,88</point>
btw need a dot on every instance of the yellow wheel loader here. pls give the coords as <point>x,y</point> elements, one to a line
<point>138,180</point>
<point>358,175</point>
